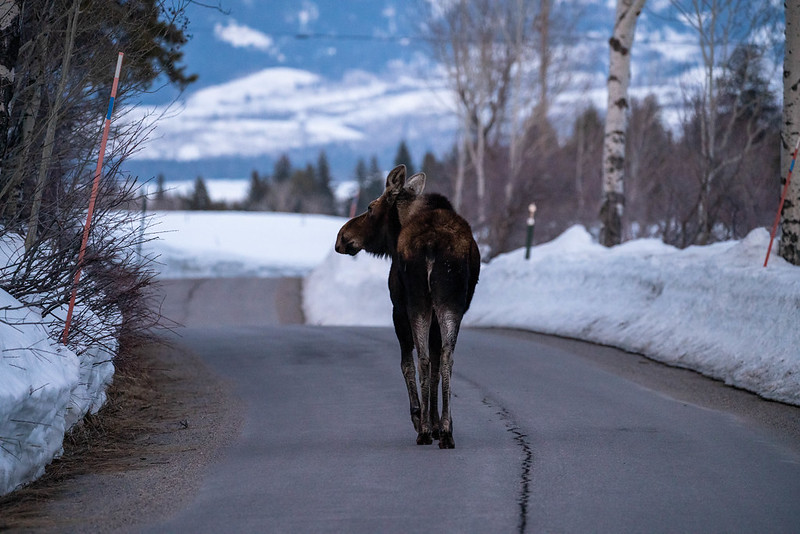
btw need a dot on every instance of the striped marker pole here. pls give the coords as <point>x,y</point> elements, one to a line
<point>783,198</point>
<point>92,199</point>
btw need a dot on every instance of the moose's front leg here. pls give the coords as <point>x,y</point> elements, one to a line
<point>421,324</point>
<point>402,328</point>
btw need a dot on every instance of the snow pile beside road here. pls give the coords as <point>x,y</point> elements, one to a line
<point>45,388</point>
<point>713,309</point>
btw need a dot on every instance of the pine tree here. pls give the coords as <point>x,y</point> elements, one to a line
<point>361,174</point>
<point>258,191</point>
<point>283,169</point>
<point>323,184</point>
<point>160,191</point>
<point>403,157</point>
<point>199,199</point>
<point>374,186</point>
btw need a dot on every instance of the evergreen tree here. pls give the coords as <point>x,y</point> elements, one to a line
<point>283,169</point>
<point>258,191</point>
<point>438,181</point>
<point>361,174</point>
<point>199,199</point>
<point>374,186</point>
<point>302,181</point>
<point>160,193</point>
<point>403,157</point>
<point>374,168</point>
<point>323,183</point>
<point>323,175</point>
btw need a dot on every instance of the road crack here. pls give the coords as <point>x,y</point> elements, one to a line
<point>521,439</point>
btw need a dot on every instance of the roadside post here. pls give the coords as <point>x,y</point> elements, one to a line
<point>92,199</point>
<point>531,223</point>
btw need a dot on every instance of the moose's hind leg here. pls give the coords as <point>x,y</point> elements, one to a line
<point>435,347</point>
<point>420,326</point>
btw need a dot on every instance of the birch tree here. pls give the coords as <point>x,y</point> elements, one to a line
<point>468,39</point>
<point>620,44</point>
<point>789,247</point>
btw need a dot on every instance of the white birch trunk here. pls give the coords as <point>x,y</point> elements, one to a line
<point>789,247</point>
<point>617,120</point>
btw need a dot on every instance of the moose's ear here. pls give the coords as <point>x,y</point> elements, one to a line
<point>396,178</point>
<point>416,184</point>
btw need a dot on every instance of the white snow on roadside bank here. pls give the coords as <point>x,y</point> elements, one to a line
<point>714,309</point>
<point>45,388</point>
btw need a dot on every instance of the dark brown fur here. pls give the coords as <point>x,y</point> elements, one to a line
<point>435,267</point>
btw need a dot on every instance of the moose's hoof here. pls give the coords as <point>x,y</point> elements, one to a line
<point>435,433</point>
<point>424,438</point>
<point>446,441</point>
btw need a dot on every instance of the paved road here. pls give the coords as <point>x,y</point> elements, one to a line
<point>551,435</point>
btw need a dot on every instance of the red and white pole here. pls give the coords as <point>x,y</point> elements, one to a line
<point>783,199</point>
<point>92,199</point>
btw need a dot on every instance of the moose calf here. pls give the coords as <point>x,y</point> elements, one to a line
<point>435,267</point>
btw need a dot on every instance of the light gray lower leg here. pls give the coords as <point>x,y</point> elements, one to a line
<point>450,324</point>
<point>410,376</point>
<point>421,328</point>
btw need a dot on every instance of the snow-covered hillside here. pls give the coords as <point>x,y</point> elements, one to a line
<point>356,78</point>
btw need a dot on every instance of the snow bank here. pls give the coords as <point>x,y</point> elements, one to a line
<point>45,389</point>
<point>714,309</point>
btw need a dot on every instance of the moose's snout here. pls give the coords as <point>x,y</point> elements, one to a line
<point>345,246</point>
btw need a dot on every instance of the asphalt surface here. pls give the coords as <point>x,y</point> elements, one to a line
<point>274,426</point>
<point>551,436</point>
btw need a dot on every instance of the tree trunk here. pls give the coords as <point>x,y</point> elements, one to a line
<point>50,132</point>
<point>9,48</point>
<point>617,121</point>
<point>461,163</point>
<point>789,247</point>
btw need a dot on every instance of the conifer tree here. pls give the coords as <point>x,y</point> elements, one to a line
<point>403,157</point>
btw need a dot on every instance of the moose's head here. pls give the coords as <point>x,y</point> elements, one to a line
<point>376,229</point>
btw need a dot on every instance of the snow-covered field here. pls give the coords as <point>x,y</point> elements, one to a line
<point>714,309</point>
<point>210,244</point>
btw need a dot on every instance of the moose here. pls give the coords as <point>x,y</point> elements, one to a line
<point>434,270</point>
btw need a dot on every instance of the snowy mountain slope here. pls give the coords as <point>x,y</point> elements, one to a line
<point>281,109</point>
<point>355,78</point>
